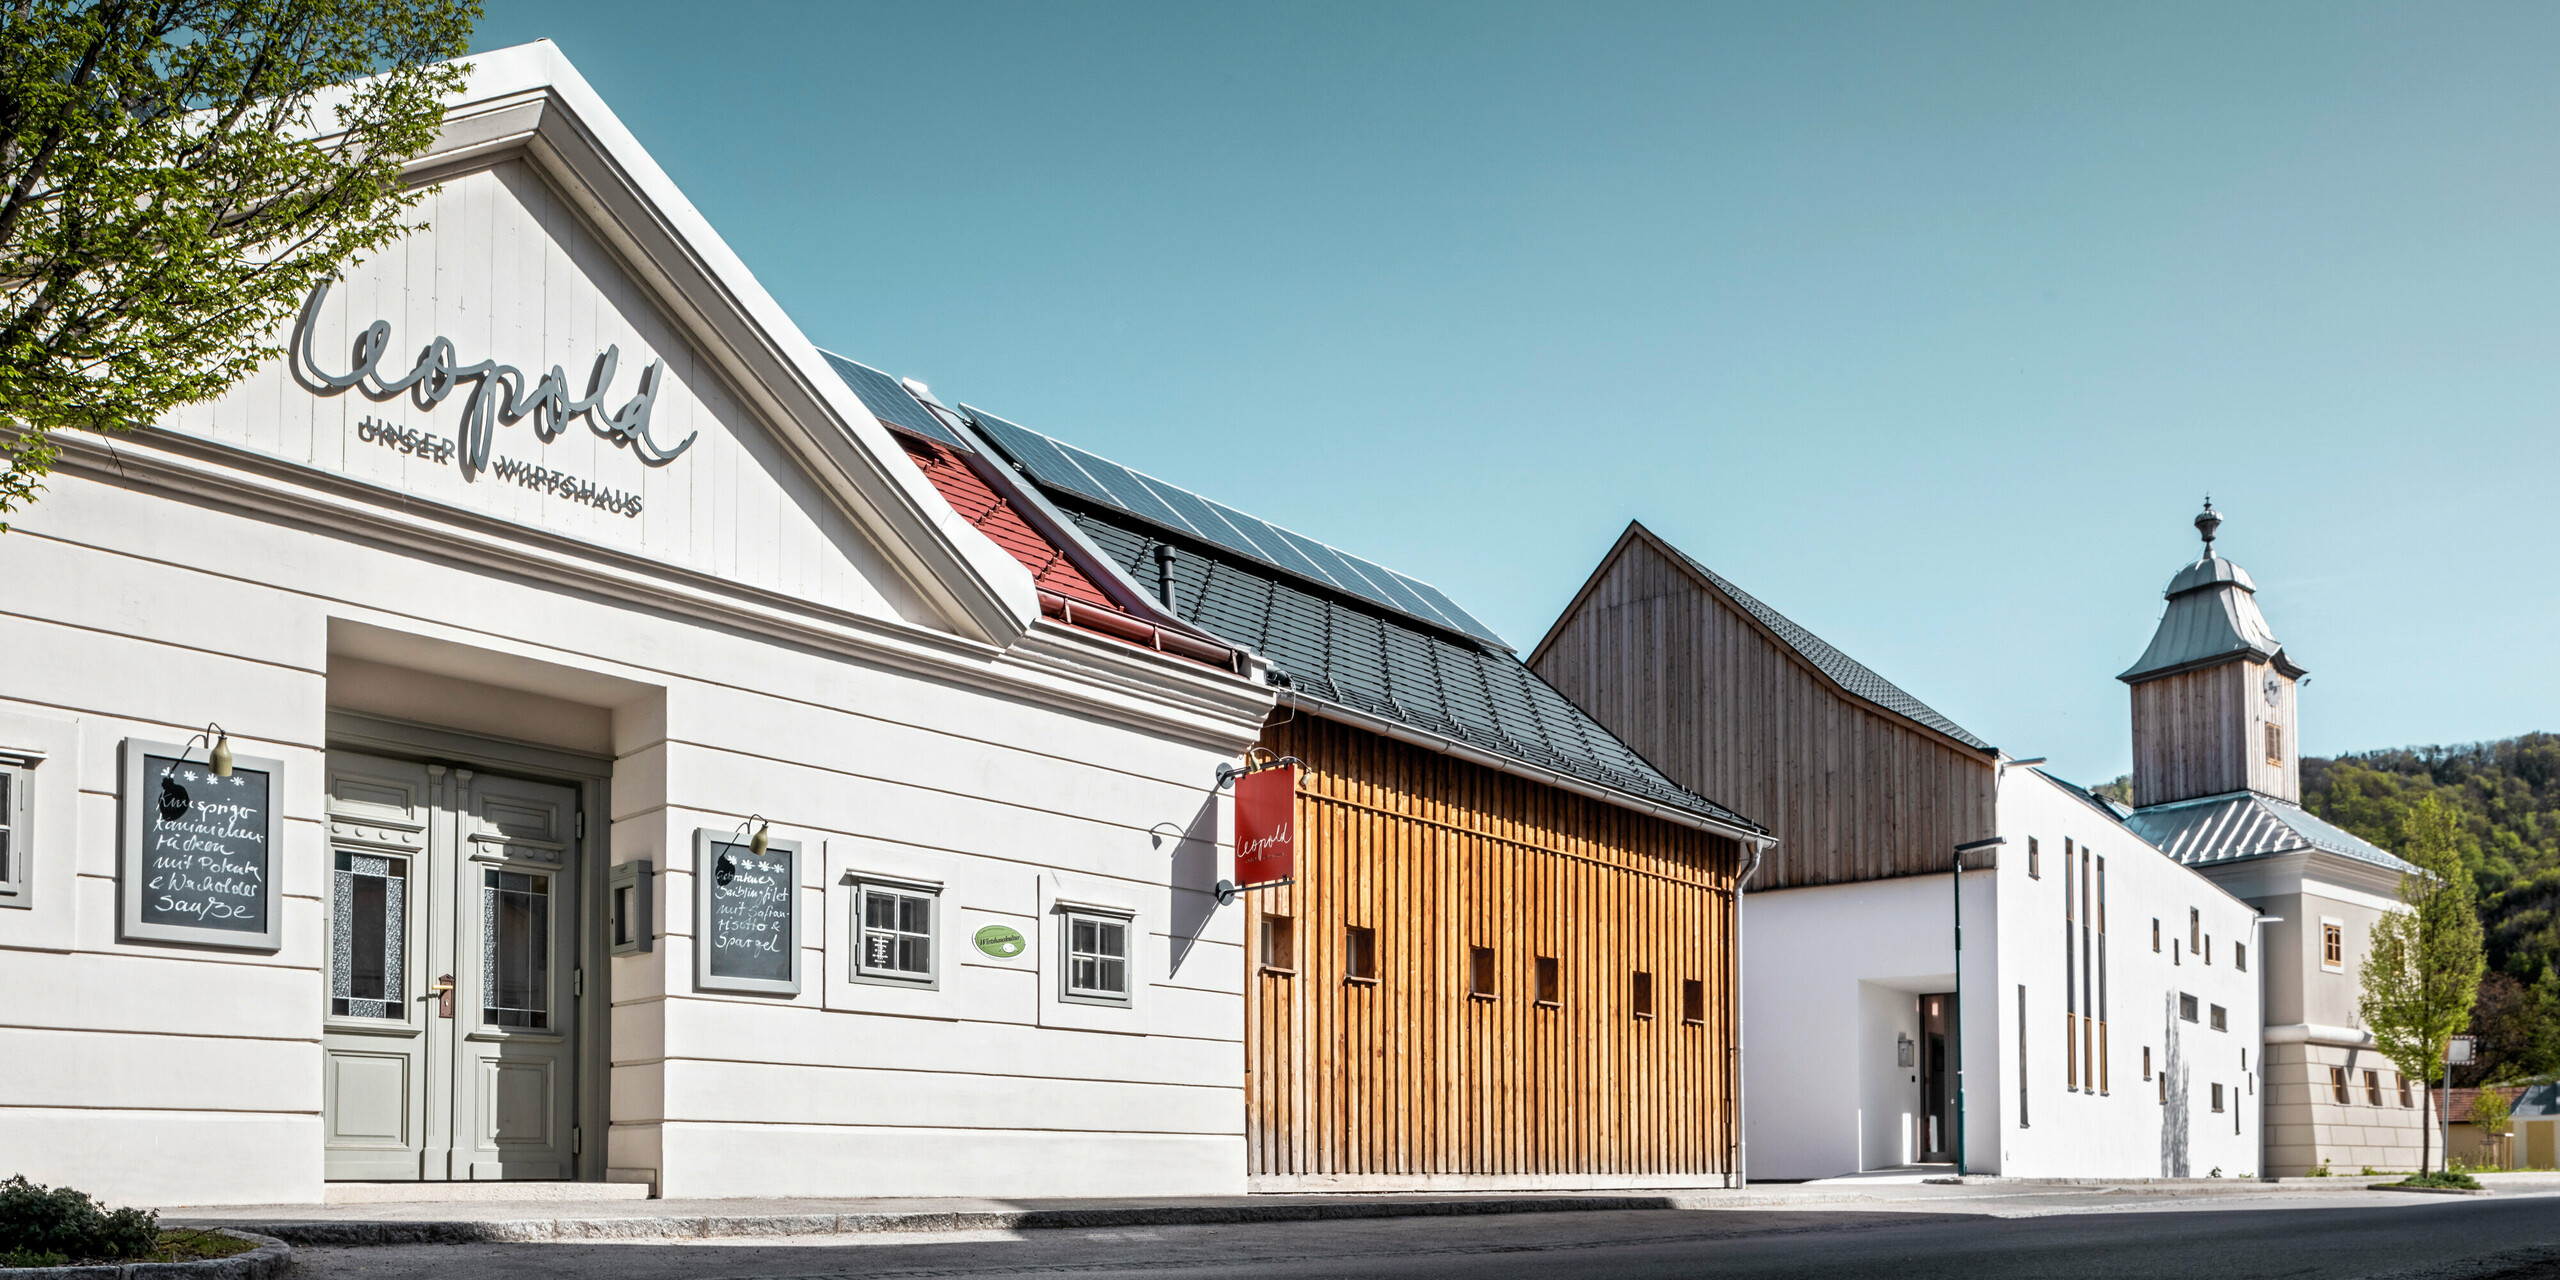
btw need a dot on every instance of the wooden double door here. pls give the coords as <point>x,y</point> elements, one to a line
<point>448,1033</point>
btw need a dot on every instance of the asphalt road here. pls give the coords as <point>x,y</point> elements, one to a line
<point>2363,1235</point>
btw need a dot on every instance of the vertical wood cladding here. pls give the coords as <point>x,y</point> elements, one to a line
<point>1411,1077</point>
<point>1698,688</point>
<point>2204,733</point>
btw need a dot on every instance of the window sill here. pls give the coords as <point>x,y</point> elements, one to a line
<point>1644,1017</point>
<point>1693,1022</point>
<point>1350,981</point>
<point>1276,971</point>
<point>1549,1004</point>
<point>1484,996</point>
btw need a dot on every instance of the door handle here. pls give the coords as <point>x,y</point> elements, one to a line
<point>444,995</point>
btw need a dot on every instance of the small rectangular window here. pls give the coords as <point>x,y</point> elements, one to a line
<point>1279,943</point>
<point>895,937</point>
<point>2146,1062</point>
<point>1550,982</point>
<point>2195,931</point>
<point>2186,1006</point>
<point>2221,1020</point>
<point>2275,744</point>
<point>16,799</point>
<point>2217,1097</point>
<point>2333,946</point>
<point>2338,1084</point>
<point>2373,1088</point>
<point>1480,973</point>
<point>2035,860</point>
<point>1360,953</point>
<point>2155,933</point>
<point>2208,948</point>
<point>1097,959</point>
<point>1693,1002</point>
<point>1640,995</point>
<point>2164,1086</point>
<point>2240,956</point>
<point>2404,1092</point>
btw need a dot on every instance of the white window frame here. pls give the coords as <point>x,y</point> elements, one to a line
<point>863,887</point>
<point>17,814</point>
<point>1069,915</point>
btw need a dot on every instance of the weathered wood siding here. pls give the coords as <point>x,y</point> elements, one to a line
<point>1682,675</point>
<point>1411,1080</point>
<point>2204,733</point>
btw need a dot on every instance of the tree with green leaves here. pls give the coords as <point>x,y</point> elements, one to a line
<point>2492,1116</point>
<point>2422,968</point>
<point>175,175</point>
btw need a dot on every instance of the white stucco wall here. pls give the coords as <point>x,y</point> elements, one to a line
<point>1831,975</point>
<point>742,647</point>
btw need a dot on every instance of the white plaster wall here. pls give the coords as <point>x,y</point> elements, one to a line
<point>1828,974</point>
<point>2125,1130</point>
<point>250,584</point>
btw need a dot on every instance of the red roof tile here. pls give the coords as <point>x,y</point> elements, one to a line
<point>1067,593</point>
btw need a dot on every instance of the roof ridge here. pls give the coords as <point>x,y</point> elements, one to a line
<point>1815,649</point>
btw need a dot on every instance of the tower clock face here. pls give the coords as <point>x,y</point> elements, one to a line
<point>2275,690</point>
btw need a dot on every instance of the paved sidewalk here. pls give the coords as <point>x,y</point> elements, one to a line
<point>574,1212</point>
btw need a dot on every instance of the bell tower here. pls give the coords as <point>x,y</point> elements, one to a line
<point>2213,697</point>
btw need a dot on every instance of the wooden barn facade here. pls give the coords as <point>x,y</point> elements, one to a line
<point>1508,955</point>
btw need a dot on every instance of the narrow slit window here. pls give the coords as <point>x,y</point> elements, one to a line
<point>2240,956</point>
<point>2022,1053</point>
<point>2373,1088</point>
<point>2275,744</point>
<point>13,833</point>
<point>1640,995</point>
<point>2338,1085</point>
<point>1480,973</point>
<point>2155,933</point>
<point>2146,1062</point>
<point>2217,1097</point>
<point>1693,1002</point>
<point>1279,944</point>
<point>2195,931</point>
<point>2404,1092</point>
<point>1360,953</point>
<point>1550,982</point>
<point>2035,860</point>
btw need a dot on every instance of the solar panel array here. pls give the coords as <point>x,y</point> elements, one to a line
<point>890,401</point>
<point>1353,657</point>
<point>1060,465</point>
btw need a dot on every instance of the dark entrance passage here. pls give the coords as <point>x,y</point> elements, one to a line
<point>1937,1079</point>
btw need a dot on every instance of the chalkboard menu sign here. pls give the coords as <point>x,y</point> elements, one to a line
<point>746,914</point>
<point>201,854</point>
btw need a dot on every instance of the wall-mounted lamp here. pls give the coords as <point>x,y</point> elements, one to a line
<point>173,798</point>
<point>1227,773</point>
<point>757,843</point>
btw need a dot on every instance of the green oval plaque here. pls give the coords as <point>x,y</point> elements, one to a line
<point>1002,941</point>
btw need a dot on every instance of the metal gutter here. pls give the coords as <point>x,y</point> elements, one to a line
<point>1521,768</point>
<point>1741,1162</point>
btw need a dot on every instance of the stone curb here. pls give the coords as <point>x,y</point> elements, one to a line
<point>269,1259</point>
<point>2434,1191</point>
<point>692,1227</point>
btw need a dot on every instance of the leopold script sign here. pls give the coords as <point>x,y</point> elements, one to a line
<point>746,915</point>
<point>200,853</point>
<point>1267,825</point>
<point>500,394</point>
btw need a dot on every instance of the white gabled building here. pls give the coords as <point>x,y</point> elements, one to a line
<point>640,769</point>
<point>2099,1033</point>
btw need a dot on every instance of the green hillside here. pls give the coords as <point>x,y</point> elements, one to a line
<point>2508,794</point>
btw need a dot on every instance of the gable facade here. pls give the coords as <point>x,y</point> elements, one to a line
<point>643,773</point>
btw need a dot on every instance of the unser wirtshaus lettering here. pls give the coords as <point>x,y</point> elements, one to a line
<point>568,486</point>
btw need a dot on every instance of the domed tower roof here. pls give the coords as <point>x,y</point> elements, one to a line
<point>2212,617</point>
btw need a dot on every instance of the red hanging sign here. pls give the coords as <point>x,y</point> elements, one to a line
<point>1266,825</point>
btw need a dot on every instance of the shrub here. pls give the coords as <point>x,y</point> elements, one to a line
<point>2441,1178</point>
<point>47,1227</point>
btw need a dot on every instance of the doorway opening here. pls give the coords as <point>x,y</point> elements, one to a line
<point>1937,1143</point>
<point>450,1030</point>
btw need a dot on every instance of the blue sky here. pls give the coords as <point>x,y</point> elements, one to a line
<point>1928,324</point>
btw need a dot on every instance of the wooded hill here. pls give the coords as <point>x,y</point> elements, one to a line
<point>2508,794</point>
